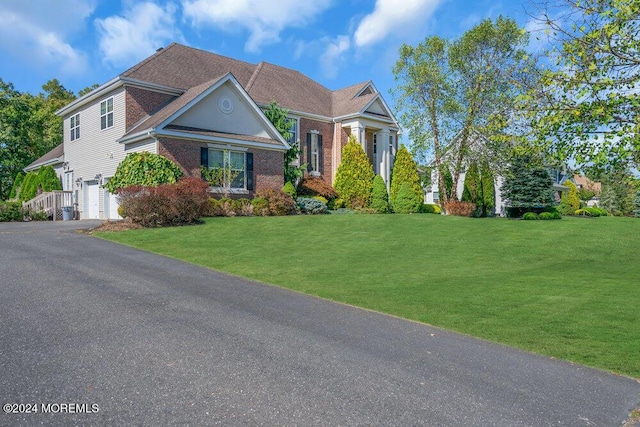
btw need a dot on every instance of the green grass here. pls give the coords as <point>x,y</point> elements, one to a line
<point>568,289</point>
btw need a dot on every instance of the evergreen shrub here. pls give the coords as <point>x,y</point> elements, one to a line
<point>311,206</point>
<point>406,201</point>
<point>530,216</point>
<point>380,197</point>
<point>354,178</point>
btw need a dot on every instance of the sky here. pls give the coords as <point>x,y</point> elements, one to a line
<point>338,43</point>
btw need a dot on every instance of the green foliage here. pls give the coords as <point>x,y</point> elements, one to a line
<point>488,190</point>
<point>587,108</point>
<point>527,185</point>
<point>260,206</point>
<point>48,180</point>
<point>17,182</point>
<point>290,189</point>
<point>472,186</point>
<point>354,178</point>
<point>29,127</point>
<point>320,199</point>
<point>11,211</point>
<point>636,205</point>
<point>278,117</point>
<point>311,206</point>
<point>406,201</point>
<point>530,216</point>
<point>479,189</point>
<point>29,187</point>
<point>451,90</point>
<point>144,169</point>
<point>430,208</point>
<point>547,216</point>
<point>448,183</point>
<point>405,171</point>
<point>570,201</point>
<point>617,193</point>
<point>380,197</point>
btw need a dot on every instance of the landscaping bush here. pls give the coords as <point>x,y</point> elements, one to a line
<point>405,172</point>
<point>144,169</point>
<point>15,188</point>
<point>11,211</point>
<point>290,189</point>
<point>336,204</point>
<point>242,207</point>
<point>354,178</point>
<point>570,201</point>
<point>530,216</point>
<point>280,203</point>
<point>636,205</point>
<point>316,186</point>
<point>342,211</point>
<point>321,199</point>
<point>406,201</point>
<point>546,216</point>
<point>260,206</point>
<point>29,187</point>
<point>582,212</point>
<point>214,207</point>
<point>226,206</point>
<point>311,206</point>
<point>168,204</point>
<point>430,208</point>
<point>457,208</point>
<point>380,197</point>
<point>47,179</point>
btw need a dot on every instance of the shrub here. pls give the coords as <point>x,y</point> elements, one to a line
<point>167,204</point>
<point>226,207</point>
<point>380,197</point>
<point>336,204</point>
<point>311,206</point>
<point>15,188</point>
<point>290,189</point>
<point>260,206</point>
<point>144,169</point>
<point>405,171</point>
<point>316,186</point>
<point>430,208</point>
<point>546,216</point>
<point>406,201</point>
<point>458,208</point>
<point>320,199</point>
<point>530,216</point>
<point>354,178</point>
<point>214,208</point>
<point>342,211</point>
<point>582,212</point>
<point>242,207</point>
<point>29,187</point>
<point>47,179</point>
<point>11,211</point>
<point>636,205</point>
<point>280,203</point>
<point>121,212</point>
<point>570,201</point>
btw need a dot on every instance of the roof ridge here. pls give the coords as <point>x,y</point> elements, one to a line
<point>254,76</point>
<point>140,64</point>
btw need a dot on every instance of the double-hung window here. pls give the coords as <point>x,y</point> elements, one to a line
<point>75,127</point>
<point>314,152</point>
<point>227,169</point>
<point>106,113</point>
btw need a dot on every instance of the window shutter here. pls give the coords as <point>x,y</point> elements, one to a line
<point>204,157</point>
<point>249,171</point>
<point>320,157</point>
<point>308,156</point>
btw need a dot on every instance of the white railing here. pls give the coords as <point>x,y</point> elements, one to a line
<point>50,202</point>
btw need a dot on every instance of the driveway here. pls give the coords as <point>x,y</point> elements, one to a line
<point>118,336</point>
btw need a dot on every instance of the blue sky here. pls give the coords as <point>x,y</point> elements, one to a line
<point>336,42</point>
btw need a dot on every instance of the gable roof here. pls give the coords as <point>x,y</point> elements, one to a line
<point>53,157</point>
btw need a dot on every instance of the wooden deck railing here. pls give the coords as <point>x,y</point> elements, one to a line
<point>50,202</point>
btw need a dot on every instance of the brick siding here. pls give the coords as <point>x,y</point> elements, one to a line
<point>141,102</point>
<point>326,130</point>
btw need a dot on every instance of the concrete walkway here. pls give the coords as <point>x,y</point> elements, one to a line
<point>153,341</point>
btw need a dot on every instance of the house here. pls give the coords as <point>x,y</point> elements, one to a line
<point>201,109</point>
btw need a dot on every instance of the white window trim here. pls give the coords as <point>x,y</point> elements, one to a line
<point>75,128</point>
<point>106,114</point>
<point>227,159</point>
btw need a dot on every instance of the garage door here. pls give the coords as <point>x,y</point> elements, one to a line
<point>92,201</point>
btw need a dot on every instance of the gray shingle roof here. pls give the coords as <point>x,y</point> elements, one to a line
<point>56,153</point>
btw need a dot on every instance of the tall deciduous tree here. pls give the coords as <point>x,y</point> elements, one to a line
<point>451,89</point>
<point>588,107</point>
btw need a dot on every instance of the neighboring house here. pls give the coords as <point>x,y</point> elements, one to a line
<point>431,193</point>
<point>584,183</point>
<point>202,109</point>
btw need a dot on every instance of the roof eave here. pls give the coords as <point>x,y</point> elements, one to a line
<point>49,162</point>
<point>233,141</point>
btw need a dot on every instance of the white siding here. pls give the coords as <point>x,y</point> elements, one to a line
<point>207,114</point>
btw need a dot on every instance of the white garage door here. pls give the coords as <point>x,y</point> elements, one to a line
<point>92,201</point>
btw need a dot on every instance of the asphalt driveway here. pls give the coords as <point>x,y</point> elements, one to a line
<point>96,333</point>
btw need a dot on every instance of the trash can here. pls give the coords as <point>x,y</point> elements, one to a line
<point>67,213</point>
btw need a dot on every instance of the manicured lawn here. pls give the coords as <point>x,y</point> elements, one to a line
<point>568,289</point>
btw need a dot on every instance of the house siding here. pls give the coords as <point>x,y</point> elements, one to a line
<point>96,151</point>
<point>141,103</point>
<point>267,164</point>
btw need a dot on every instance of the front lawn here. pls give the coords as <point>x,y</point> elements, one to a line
<point>568,289</point>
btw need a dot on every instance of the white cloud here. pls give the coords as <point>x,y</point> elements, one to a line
<point>393,17</point>
<point>264,19</point>
<point>37,33</point>
<point>136,34</point>
<point>333,54</point>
